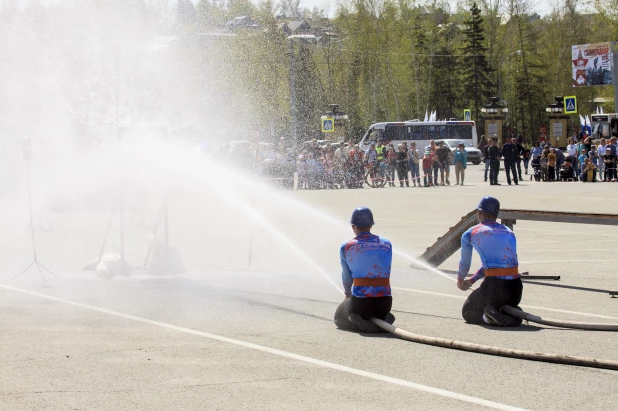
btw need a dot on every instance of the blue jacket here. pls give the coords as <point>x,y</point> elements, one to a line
<point>495,244</point>
<point>536,152</point>
<point>461,158</point>
<point>366,256</point>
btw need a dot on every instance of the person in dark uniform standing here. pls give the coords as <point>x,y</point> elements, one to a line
<point>509,153</point>
<point>493,153</point>
<point>520,156</point>
<point>366,269</point>
<point>497,247</point>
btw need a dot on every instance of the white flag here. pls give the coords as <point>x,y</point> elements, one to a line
<point>426,116</point>
<point>597,109</point>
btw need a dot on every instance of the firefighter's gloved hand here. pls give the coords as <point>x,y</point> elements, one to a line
<point>464,285</point>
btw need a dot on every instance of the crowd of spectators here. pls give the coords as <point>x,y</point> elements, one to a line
<point>339,165</point>
<point>326,165</point>
<point>584,159</point>
<point>346,165</point>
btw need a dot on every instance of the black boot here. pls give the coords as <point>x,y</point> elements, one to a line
<point>389,318</point>
<point>500,319</point>
<point>363,325</point>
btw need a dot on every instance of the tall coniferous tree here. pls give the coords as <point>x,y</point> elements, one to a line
<point>477,83</point>
<point>446,91</point>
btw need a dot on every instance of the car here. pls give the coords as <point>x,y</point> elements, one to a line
<point>321,143</point>
<point>474,154</point>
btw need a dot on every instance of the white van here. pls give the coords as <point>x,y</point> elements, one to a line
<point>420,132</point>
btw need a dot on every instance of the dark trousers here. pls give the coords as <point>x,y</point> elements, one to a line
<point>402,173</point>
<point>509,167</point>
<point>494,169</point>
<point>519,169</point>
<point>367,308</point>
<point>610,172</point>
<point>427,178</point>
<point>436,170</point>
<point>494,292</point>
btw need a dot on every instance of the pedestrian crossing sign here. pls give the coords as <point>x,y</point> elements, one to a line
<point>467,115</point>
<point>328,125</point>
<point>570,105</point>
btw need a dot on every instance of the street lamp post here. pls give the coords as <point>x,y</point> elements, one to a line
<point>293,91</point>
<point>494,113</point>
<point>557,122</point>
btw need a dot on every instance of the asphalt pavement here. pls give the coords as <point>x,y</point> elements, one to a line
<point>249,324</point>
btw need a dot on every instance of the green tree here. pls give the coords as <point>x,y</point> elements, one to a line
<point>476,71</point>
<point>446,90</point>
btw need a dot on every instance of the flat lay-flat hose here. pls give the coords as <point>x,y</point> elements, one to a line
<point>498,351</point>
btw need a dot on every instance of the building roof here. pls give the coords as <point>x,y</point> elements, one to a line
<point>298,25</point>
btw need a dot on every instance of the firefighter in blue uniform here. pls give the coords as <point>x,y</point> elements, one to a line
<point>366,267</point>
<point>497,247</point>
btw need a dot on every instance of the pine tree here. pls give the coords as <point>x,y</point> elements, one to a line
<point>477,83</point>
<point>446,91</point>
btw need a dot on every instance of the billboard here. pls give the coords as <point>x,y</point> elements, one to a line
<point>592,64</point>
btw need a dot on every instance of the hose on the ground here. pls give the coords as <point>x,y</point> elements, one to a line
<point>498,351</point>
<point>558,323</point>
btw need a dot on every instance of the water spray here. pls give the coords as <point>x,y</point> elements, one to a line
<point>27,152</point>
<point>429,267</point>
<point>237,201</point>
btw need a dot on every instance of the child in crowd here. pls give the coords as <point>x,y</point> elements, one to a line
<point>536,168</point>
<point>551,165</point>
<point>543,163</point>
<point>588,173</point>
<point>608,159</point>
<point>566,171</point>
<point>391,161</point>
<point>427,164</point>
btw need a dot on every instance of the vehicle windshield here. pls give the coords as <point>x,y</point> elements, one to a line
<point>601,129</point>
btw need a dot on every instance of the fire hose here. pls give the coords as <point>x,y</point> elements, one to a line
<point>509,352</point>
<point>558,323</point>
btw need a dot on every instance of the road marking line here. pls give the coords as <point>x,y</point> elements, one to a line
<point>428,292</point>
<point>564,261</point>
<point>552,232</point>
<point>413,222</point>
<point>274,351</point>
<point>532,250</point>
<point>556,310</point>
<point>568,242</point>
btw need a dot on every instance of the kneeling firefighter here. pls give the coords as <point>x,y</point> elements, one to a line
<point>366,267</point>
<point>497,247</point>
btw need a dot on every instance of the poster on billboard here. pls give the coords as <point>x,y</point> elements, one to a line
<point>592,64</point>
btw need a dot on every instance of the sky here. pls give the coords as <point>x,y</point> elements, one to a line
<point>542,7</point>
